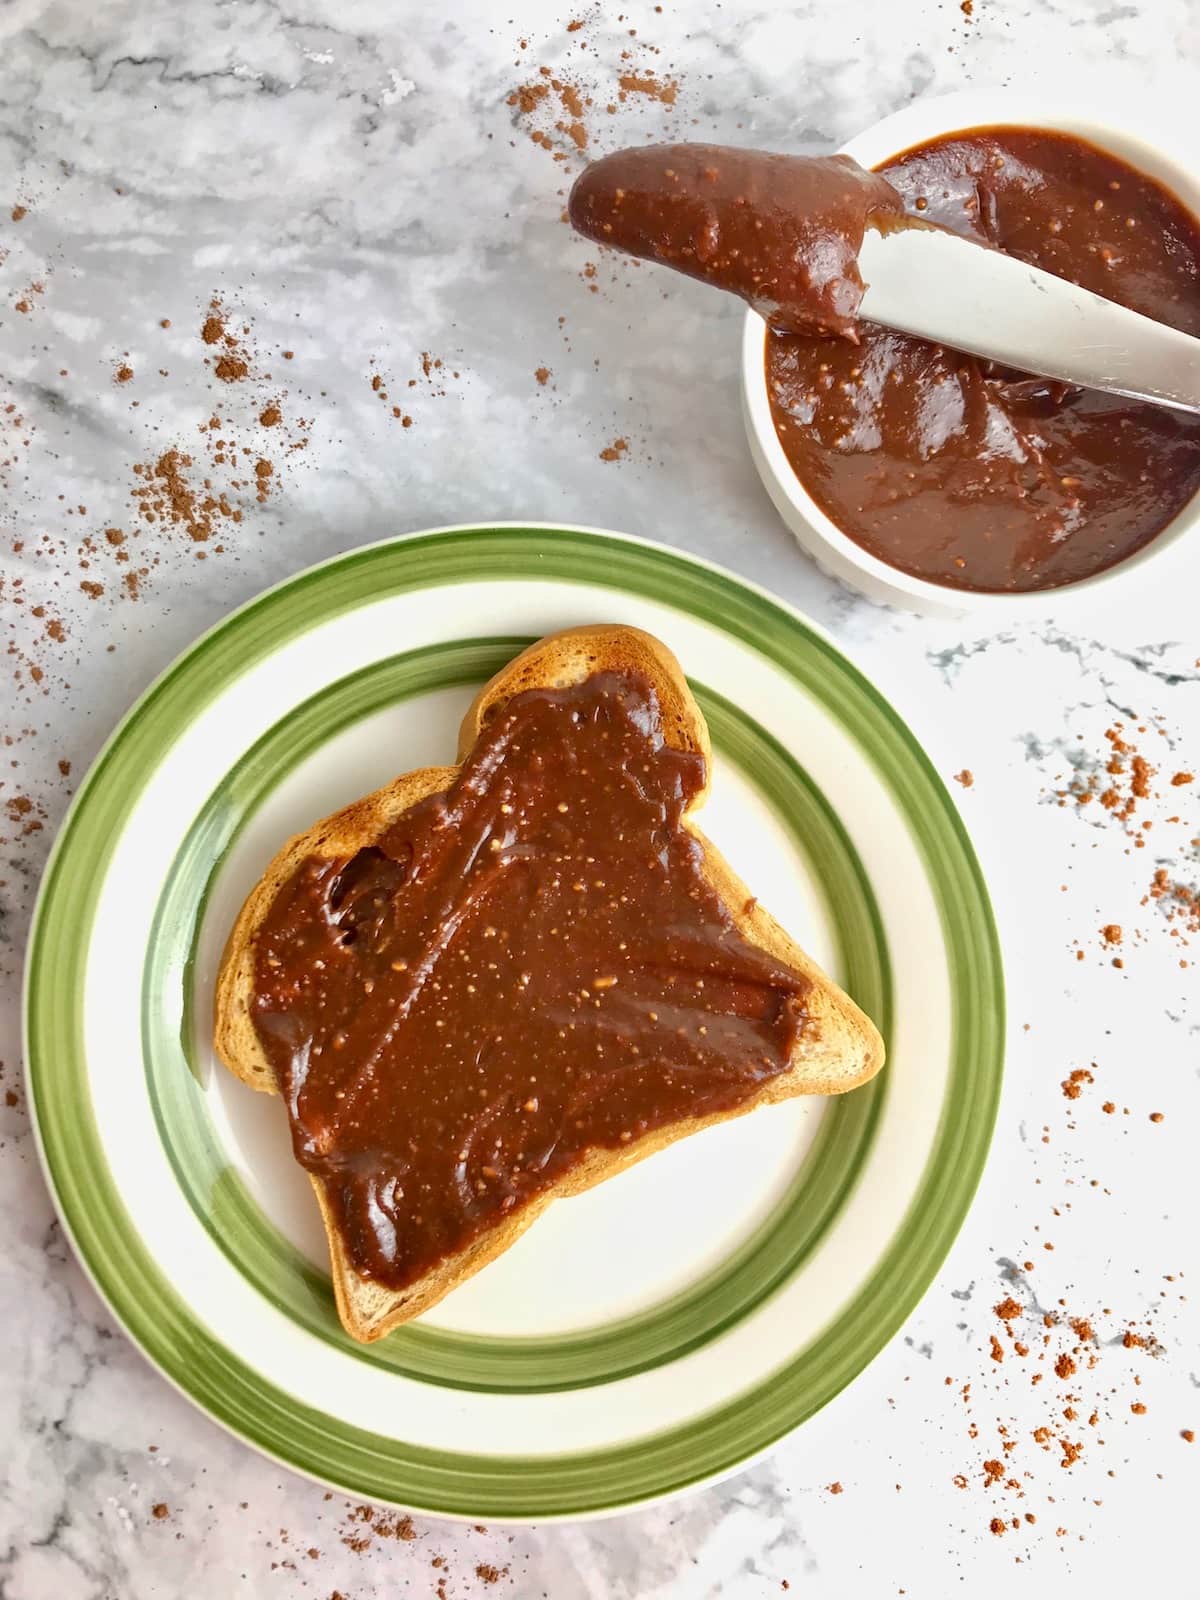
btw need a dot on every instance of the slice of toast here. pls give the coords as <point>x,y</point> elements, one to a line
<point>837,1049</point>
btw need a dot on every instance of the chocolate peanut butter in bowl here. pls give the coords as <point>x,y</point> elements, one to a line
<point>905,456</point>
<point>970,475</point>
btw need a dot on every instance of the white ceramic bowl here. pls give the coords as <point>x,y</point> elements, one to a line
<point>1161,148</point>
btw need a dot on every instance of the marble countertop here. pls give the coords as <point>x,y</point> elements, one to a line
<point>353,184</point>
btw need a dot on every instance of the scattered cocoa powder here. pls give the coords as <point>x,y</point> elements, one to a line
<point>161,1511</point>
<point>1072,1085</point>
<point>123,374</point>
<point>966,777</point>
<point>1179,903</point>
<point>232,365</point>
<point>19,213</point>
<point>649,84</point>
<point>542,374</point>
<point>528,97</point>
<point>615,451</point>
<point>564,111</point>
<point>167,494</point>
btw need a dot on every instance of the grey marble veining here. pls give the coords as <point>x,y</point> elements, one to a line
<point>352,182</point>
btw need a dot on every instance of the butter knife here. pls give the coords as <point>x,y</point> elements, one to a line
<point>953,291</point>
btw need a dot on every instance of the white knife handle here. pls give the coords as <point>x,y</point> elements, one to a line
<point>931,283</point>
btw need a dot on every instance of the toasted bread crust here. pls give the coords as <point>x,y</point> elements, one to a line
<point>838,1049</point>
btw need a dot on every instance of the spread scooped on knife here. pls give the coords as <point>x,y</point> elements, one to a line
<point>487,986</point>
<point>945,465</point>
<point>783,232</point>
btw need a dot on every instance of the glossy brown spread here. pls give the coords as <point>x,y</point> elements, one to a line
<point>525,968</point>
<point>979,477</point>
<point>783,232</point>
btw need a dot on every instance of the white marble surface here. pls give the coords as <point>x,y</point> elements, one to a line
<point>350,178</point>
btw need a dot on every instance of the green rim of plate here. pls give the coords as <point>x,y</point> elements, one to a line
<point>172,1041</point>
<point>315,1442</point>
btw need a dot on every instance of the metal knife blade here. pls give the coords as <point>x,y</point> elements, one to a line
<point>931,283</point>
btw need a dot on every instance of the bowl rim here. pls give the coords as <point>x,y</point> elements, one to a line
<point>1161,147</point>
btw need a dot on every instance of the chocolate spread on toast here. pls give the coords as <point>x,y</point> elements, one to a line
<point>523,969</point>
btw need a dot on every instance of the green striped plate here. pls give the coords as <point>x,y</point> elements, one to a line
<point>642,1338</point>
